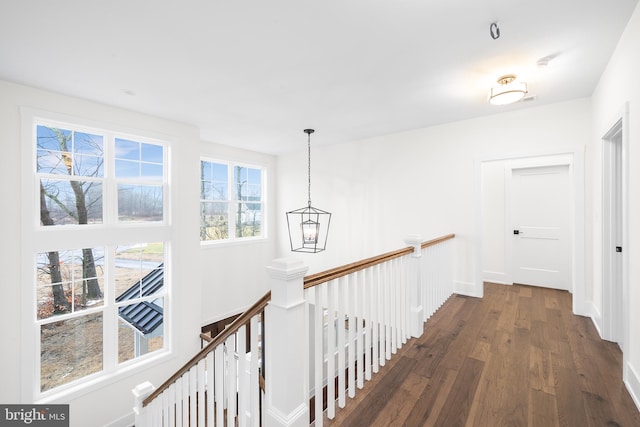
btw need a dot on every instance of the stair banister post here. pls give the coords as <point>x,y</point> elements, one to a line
<point>286,346</point>
<point>414,286</point>
<point>140,393</point>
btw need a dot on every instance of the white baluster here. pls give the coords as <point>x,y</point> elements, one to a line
<point>219,384</point>
<point>243,376</point>
<point>331,349</point>
<point>254,388</point>
<point>210,366</point>
<point>360,304</point>
<point>378,331</point>
<point>368,328</point>
<point>352,334</point>
<point>340,330</point>
<point>318,356</point>
<point>232,380</point>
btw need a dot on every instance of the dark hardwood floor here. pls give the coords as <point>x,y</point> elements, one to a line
<point>517,357</point>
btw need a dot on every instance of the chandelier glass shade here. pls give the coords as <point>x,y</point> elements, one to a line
<point>308,226</point>
<point>508,91</point>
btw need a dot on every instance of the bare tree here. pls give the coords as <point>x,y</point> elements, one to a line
<point>60,302</point>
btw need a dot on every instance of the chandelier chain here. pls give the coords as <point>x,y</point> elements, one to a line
<point>309,167</point>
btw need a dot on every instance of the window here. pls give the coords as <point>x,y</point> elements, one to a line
<point>100,239</point>
<point>231,201</point>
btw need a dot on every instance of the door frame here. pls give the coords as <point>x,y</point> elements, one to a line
<point>530,163</point>
<point>577,177</point>
<point>610,322</point>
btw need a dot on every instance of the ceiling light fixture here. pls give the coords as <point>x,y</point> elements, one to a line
<point>314,223</point>
<point>508,91</point>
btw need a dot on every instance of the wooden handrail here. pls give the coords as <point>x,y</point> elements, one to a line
<point>335,273</point>
<point>437,240</point>
<point>243,319</point>
<point>309,281</point>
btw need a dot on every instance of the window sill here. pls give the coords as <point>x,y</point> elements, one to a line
<point>103,379</point>
<point>212,244</point>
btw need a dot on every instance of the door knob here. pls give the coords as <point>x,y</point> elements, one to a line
<point>516,231</point>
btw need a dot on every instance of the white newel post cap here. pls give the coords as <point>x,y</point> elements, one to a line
<point>286,275</point>
<point>140,393</point>
<point>414,240</point>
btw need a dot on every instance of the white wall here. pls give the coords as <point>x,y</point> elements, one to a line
<point>618,85</point>
<point>109,401</point>
<point>234,276</point>
<point>422,181</point>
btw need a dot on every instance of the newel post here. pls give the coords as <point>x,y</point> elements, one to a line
<point>414,286</point>
<point>140,393</point>
<point>286,360</point>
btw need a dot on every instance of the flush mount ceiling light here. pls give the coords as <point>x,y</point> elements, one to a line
<point>508,91</point>
<point>308,226</point>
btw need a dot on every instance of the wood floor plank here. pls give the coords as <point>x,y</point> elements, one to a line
<point>542,410</point>
<point>458,403</point>
<point>429,404</point>
<point>541,376</point>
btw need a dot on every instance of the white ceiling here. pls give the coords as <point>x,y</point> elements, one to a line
<point>255,73</point>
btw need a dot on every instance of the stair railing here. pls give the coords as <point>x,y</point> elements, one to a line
<point>356,317</point>
<point>362,313</point>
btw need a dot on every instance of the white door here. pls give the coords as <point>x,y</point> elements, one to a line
<point>612,237</point>
<point>540,213</point>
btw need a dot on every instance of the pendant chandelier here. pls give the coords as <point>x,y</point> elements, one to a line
<point>308,226</point>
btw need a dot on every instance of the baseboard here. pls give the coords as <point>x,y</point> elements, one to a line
<point>496,277</point>
<point>632,382</point>
<point>586,309</point>
<point>126,421</point>
<point>467,288</point>
<point>595,315</point>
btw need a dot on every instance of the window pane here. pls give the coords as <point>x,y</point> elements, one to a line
<point>152,153</point>
<point>70,202</point>
<point>151,171</point>
<point>213,191</point>
<point>206,170</point>
<point>214,218</point>
<point>88,155</point>
<point>139,270</point>
<point>239,182</point>
<point>140,329</point>
<point>220,172</point>
<point>247,183</point>
<point>127,169</point>
<point>69,281</point>
<point>139,203</point>
<point>70,349</point>
<point>53,138</point>
<point>52,161</point>
<point>249,220</point>
<point>125,149</point>
<point>86,143</point>
<point>214,181</point>
<point>86,165</point>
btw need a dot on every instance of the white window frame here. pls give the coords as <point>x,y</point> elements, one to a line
<point>109,234</point>
<point>232,202</point>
